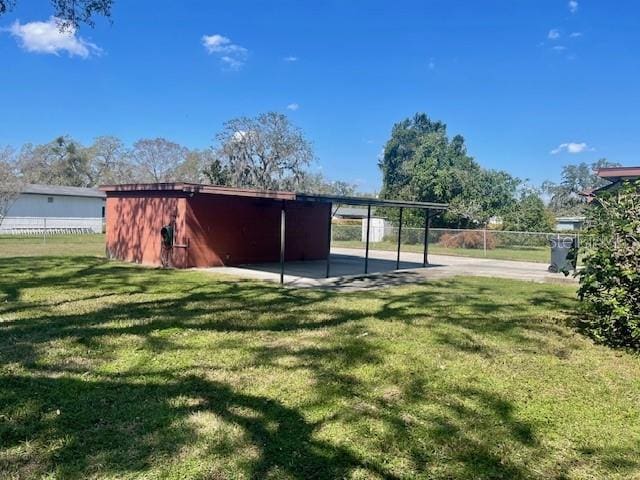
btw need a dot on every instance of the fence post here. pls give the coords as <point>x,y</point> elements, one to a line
<point>484,240</point>
<point>44,232</point>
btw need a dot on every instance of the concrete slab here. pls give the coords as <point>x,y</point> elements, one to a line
<point>347,270</point>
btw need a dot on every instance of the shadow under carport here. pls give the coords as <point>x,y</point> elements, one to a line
<point>345,271</point>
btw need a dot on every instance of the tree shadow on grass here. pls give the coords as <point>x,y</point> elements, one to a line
<point>113,427</point>
<point>128,422</point>
<point>119,426</point>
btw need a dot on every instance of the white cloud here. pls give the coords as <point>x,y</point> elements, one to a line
<point>232,62</point>
<point>232,55</point>
<point>573,6</point>
<point>559,48</point>
<point>553,34</point>
<point>290,59</point>
<point>575,34</point>
<point>432,64</point>
<point>572,147</point>
<point>49,37</point>
<point>293,106</point>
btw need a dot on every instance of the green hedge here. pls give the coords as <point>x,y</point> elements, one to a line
<point>610,281</point>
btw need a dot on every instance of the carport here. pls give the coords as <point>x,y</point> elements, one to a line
<point>183,225</point>
<point>430,209</point>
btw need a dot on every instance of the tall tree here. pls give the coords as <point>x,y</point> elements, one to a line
<point>194,167</point>
<point>110,162</point>
<point>75,162</point>
<point>71,13</point>
<point>421,163</point>
<point>265,152</point>
<point>60,162</point>
<point>158,158</point>
<point>317,183</point>
<point>565,197</point>
<point>528,214</point>
<point>216,173</point>
<point>10,183</point>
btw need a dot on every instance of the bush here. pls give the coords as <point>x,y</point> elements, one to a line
<point>610,280</point>
<point>346,233</point>
<point>519,240</point>
<point>467,239</point>
<point>413,236</point>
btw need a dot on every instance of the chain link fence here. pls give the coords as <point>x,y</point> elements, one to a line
<point>497,244</point>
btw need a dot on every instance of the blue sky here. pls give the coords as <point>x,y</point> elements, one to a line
<point>518,79</point>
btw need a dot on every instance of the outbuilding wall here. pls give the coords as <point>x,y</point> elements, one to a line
<point>134,221</point>
<point>228,230</point>
<point>212,230</point>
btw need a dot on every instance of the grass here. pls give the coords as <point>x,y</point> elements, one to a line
<point>21,246</point>
<point>522,254</point>
<point>116,371</point>
<point>12,246</point>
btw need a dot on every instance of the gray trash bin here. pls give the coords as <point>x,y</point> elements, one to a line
<point>564,254</point>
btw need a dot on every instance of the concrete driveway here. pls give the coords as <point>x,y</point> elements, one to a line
<point>347,270</point>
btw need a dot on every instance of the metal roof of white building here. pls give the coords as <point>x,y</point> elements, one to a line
<point>36,189</point>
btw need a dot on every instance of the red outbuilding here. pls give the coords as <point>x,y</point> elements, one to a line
<point>207,226</point>
<point>185,225</point>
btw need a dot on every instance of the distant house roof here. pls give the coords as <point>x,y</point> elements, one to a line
<point>570,219</point>
<point>35,189</point>
<point>616,174</point>
<point>352,212</point>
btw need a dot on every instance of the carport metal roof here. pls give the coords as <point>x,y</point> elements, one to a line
<point>270,194</point>
<point>369,202</point>
<point>374,202</point>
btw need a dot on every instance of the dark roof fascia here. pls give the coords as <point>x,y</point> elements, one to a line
<point>192,188</point>
<point>369,201</point>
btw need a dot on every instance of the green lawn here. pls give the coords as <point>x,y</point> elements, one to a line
<point>12,246</point>
<point>19,246</point>
<point>523,254</point>
<point>110,370</point>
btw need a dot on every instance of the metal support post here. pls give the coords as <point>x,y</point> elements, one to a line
<point>282,234</point>
<point>366,248</point>
<point>399,239</point>
<point>427,224</point>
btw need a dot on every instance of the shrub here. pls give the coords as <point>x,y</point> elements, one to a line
<point>519,240</point>
<point>410,236</point>
<point>346,232</point>
<point>413,236</point>
<point>610,280</point>
<point>467,239</point>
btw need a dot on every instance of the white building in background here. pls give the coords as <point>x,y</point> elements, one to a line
<point>376,230</point>
<point>55,209</point>
<point>569,223</point>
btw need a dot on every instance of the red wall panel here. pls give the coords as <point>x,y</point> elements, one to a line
<point>227,230</point>
<point>212,230</point>
<point>133,228</point>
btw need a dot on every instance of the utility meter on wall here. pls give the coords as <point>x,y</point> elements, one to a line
<point>166,233</point>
